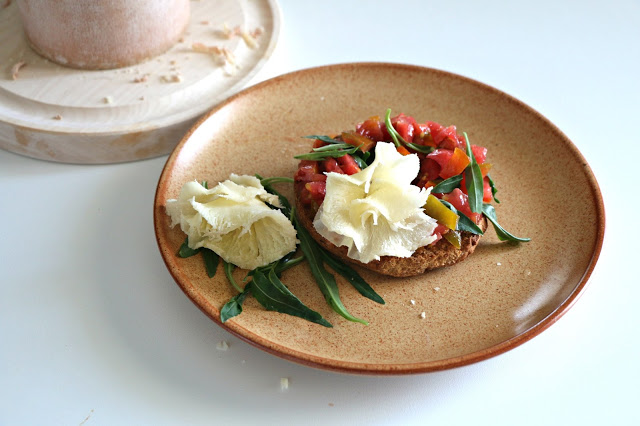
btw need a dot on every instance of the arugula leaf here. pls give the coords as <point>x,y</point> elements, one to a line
<point>475,187</point>
<point>211,260</point>
<point>277,179</point>
<point>360,162</point>
<point>274,296</point>
<point>464,223</point>
<point>326,282</point>
<point>397,138</point>
<point>494,190</point>
<point>420,148</point>
<point>234,306</point>
<point>286,264</point>
<point>447,185</point>
<point>186,251</point>
<point>228,271</point>
<point>323,138</point>
<point>490,212</point>
<point>328,151</point>
<point>352,276</point>
<point>286,206</point>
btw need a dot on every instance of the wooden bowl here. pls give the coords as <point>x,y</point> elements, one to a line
<point>103,34</point>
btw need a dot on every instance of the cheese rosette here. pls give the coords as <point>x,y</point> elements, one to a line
<point>377,212</point>
<point>233,220</point>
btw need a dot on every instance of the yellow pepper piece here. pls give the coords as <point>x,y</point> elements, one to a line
<point>454,238</point>
<point>441,213</point>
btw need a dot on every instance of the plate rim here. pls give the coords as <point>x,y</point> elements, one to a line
<point>364,368</point>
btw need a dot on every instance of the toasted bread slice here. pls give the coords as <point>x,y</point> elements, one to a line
<point>426,258</point>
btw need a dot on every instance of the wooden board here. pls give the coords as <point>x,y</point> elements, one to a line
<point>61,114</point>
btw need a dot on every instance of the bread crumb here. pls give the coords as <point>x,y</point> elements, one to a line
<point>331,404</point>
<point>6,4</point>
<point>173,78</point>
<point>141,98</point>
<point>284,384</point>
<point>15,69</point>
<point>222,345</point>
<point>57,117</point>
<point>204,22</point>
<point>107,99</point>
<point>423,315</point>
<point>249,39</point>
<point>141,79</point>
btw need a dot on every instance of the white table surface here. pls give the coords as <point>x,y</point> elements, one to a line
<point>94,331</point>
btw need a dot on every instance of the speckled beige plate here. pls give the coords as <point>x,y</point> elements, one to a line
<point>500,297</point>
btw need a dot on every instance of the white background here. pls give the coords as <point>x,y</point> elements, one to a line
<point>94,330</point>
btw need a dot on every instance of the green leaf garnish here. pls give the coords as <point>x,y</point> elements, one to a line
<point>352,276</point>
<point>323,138</point>
<point>464,223</point>
<point>326,282</point>
<point>186,251</point>
<point>228,271</point>
<point>494,190</point>
<point>234,306</point>
<point>328,151</point>
<point>420,148</point>
<point>395,136</point>
<point>447,185</point>
<point>475,187</point>
<point>211,260</point>
<point>273,295</point>
<point>490,212</point>
<point>277,179</point>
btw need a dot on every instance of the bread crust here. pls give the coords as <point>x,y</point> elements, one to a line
<point>424,259</point>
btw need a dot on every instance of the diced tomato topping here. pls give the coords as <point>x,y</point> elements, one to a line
<point>371,128</point>
<point>306,170</point>
<point>422,135</point>
<point>450,139</point>
<point>456,164</point>
<point>460,201</point>
<point>319,144</point>
<point>402,150</point>
<point>317,191</point>
<point>362,142</point>
<point>439,231</point>
<point>484,169</point>
<point>348,164</point>
<point>331,165</point>
<point>487,196</point>
<point>441,156</point>
<point>429,168</point>
<point>480,153</point>
<point>404,125</point>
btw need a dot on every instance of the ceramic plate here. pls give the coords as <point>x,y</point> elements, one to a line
<point>500,297</point>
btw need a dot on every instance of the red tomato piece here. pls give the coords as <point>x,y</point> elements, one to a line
<point>480,153</point>
<point>450,139</point>
<point>456,164</point>
<point>422,135</point>
<point>331,165</point>
<point>487,196</point>
<point>317,191</point>
<point>348,164</point>
<point>429,169</point>
<point>439,231</point>
<point>404,125</point>
<point>371,128</point>
<point>460,201</point>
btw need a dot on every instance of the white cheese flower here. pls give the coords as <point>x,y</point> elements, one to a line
<point>233,220</point>
<point>377,212</point>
